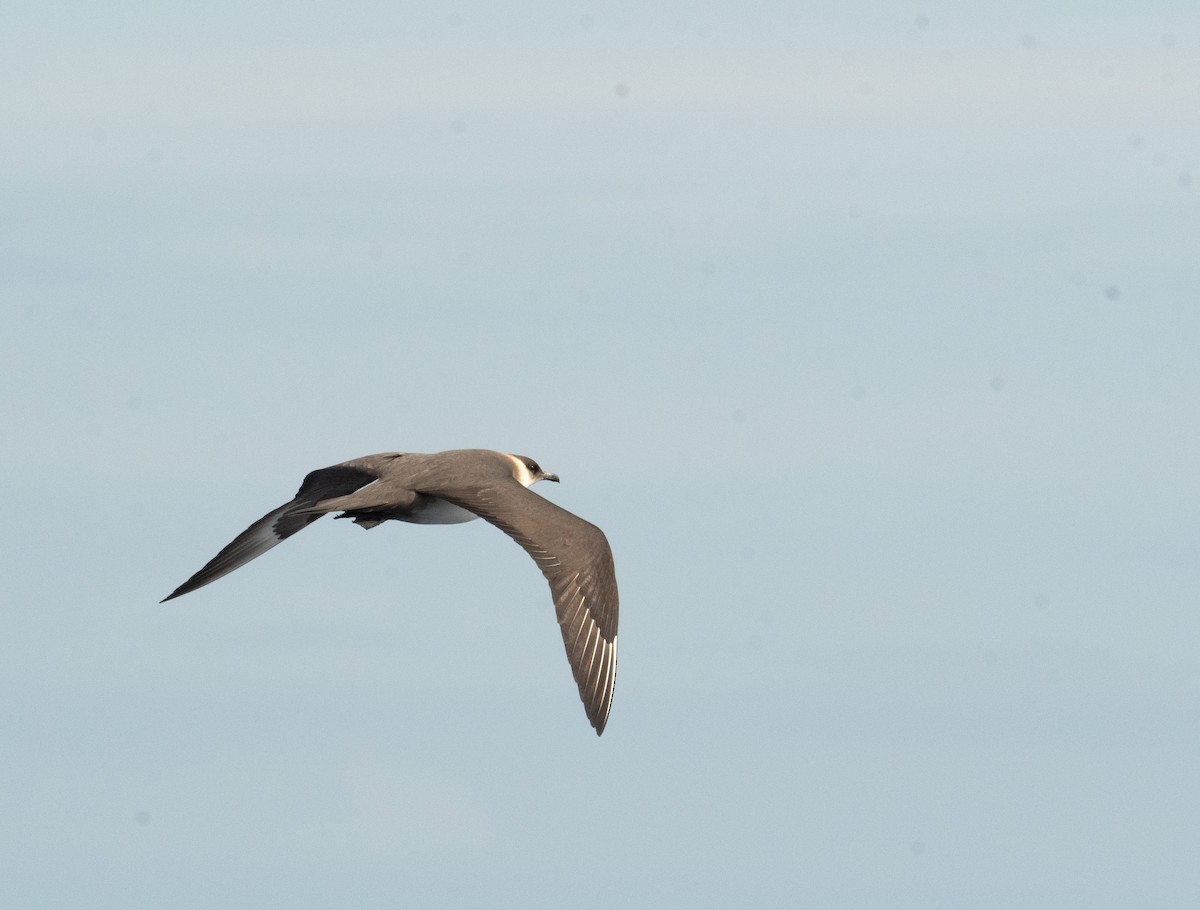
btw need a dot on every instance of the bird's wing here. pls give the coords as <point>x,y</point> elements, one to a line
<point>576,559</point>
<point>281,523</point>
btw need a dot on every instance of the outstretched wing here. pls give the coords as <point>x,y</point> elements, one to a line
<point>280,524</point>
<point>576,559</point>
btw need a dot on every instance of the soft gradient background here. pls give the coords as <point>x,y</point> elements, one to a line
<point>867,331</point>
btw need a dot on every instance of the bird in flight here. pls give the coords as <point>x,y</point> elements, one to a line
<point>453,487</point>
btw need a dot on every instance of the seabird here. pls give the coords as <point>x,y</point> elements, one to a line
<point>453,487</point>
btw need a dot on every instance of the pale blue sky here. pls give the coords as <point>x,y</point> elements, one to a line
<point>868,332</point>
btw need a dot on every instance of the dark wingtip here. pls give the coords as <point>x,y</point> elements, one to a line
<point>182,589</point>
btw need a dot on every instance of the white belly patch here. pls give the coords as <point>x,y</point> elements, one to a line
<point>440,512</point>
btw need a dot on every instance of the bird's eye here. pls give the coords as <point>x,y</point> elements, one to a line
<point>533,466</point>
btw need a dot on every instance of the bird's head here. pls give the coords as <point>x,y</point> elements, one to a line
<point>528,472</point>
